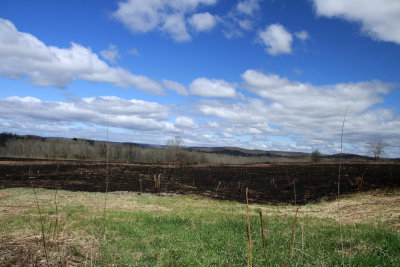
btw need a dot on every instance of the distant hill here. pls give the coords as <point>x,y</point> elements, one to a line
<point>237,151</point>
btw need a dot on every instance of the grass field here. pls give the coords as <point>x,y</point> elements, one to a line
<point>175,230</point>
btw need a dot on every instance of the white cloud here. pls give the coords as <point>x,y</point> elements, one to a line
<point>128,114</point>
<point>379,19</point>
<point>212,88</point>
<point>248,7</point>
<point>175,86</point>
<point>302,35</point>
<point>328,100</point>
<point>239,113</point>
<point>316,112</point>
<point>276,39</point>
<point>245,24</point>
<point>141,16</point>
<point>203,21</point>
<point>23,55</point>
<point>184,122</point>
<point>134,52</point>
<point>287,115</point>
<point>111,54</point>
<point>240,19</point>
<point>175,25</point>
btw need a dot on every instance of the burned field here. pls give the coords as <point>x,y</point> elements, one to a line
<point>298,183</point>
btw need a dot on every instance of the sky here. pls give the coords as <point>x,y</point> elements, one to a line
<point>257,74</point>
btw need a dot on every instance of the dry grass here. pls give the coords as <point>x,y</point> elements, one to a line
<point>374,207</point>
<point>62,251</point>
<point>21,242</point>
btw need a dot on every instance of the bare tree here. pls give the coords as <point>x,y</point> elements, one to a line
<point>174,148</point>
<point>377,147</point>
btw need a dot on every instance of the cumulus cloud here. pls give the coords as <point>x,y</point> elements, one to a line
<point>240,19</point>
<point>302,114</point>
<point>169,16</point>
<point>277,39</point>
<point>128,114</point>
<point>212,88</point>
<point>282,114</point>
<point>23,55</point>
<point>379,19</point>
<point>302,35</point>
<point>247,113</point>
<point>316,112</point>
<point>184,122</point>
<point>238,119</point>
<point>328,100</point>
<point>175,25</point>
<point>203,22</point>
<point>175,86</point>
<point>111,54</point>
<point>248,7</point>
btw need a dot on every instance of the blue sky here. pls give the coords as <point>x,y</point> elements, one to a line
<point>262,74</point>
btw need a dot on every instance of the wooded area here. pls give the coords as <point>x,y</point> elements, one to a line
<point>12,145</point>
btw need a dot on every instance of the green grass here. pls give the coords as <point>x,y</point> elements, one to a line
<point>148,230</point>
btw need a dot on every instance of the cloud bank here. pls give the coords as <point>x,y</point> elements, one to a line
<point>277,114</point>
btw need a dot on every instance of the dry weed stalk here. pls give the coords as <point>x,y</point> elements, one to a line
<point>294,186</point>
<point>55,232</point>
<point>42,226</point>
<point>294,192</point>
<point>219,184</point>
<point>338,193</point>
<point>105,195</point>
<point>157,181</point>
<point>249,256</point>
<point>291,240</point>
<point>263,239</point>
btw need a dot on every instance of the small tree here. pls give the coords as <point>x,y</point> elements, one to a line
<point>377,147</point>
<point>315,156</point>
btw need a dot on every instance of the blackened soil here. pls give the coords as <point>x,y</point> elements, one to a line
<point>283,183</point>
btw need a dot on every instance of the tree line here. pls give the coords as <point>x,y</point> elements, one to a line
<point>30,146</point>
